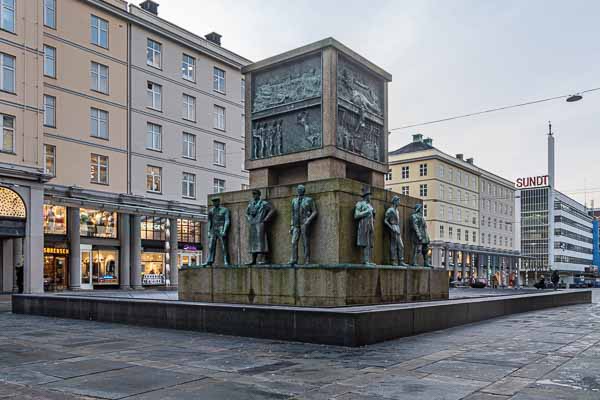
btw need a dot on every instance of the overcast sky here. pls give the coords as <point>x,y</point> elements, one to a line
<point>450,57</point>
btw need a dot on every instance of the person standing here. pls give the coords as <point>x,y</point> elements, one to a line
<point>304,211</point>
<point>258,214</point>
<point>555,278</point>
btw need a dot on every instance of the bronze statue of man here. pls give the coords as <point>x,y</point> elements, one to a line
<point>419,236</point>
<point>364,213</point>
<point>304,211</point>
<point>258,213</point>
<point>392,222</point>
<point>218,225</point>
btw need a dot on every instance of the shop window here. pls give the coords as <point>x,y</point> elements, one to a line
<point>97,223</point>
<point>105,269</point>
<point>55,219</point>
<point>153,228</point>
<point>153,268</point>
<point>188,231</point>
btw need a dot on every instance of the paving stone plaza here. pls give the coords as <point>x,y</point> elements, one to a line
<point>548,354</point>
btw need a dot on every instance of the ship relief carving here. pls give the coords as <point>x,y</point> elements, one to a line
<point>287,133</point>
<point>360,122</point>
<point>287,84</point>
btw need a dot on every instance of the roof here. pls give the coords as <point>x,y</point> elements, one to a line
<point>411,148</point>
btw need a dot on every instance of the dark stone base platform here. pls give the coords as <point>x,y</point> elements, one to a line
<point>344,326</point>
<point>313,285</point>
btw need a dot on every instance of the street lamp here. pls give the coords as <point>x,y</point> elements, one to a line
<point>574,97</point>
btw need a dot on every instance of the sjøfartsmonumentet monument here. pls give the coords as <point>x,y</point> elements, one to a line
<point>316,148</point>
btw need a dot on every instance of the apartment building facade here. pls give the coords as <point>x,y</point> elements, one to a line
<point>455,206</point>
<point>122,169</point>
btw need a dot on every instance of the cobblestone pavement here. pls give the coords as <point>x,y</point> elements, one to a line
<point>549,354</point>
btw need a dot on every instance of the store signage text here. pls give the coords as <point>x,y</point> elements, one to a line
<point>54,250</point>
<point>153,279</point>
<point>532,181</point>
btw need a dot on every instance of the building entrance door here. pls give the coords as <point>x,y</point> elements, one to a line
<point>86,267</point>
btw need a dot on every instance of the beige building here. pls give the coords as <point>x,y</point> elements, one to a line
<point>115,126</point>
<point>452,192</point>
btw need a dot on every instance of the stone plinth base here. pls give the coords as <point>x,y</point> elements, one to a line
<point>312,285</point>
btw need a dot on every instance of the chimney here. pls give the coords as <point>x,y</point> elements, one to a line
<point>150,6</point>
<point>470,160</point>
<point>214,37</point>
<point>460,156</point>
<point>417,138</point>
<point>428,141</point>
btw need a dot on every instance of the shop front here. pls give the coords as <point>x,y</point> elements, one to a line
<point>99,267</point>
<point>189,242</point>
<point>56,248</point>
<point>56,271</point>
<point>154,254</point>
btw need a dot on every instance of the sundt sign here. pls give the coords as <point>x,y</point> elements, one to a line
<point>532,181</point>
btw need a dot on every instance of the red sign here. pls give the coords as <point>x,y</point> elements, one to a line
<point>532,181</point>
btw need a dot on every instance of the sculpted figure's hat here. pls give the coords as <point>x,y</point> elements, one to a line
<point>256,191</point>
<point>395,199</point>
<point>216,200</point>
<point>366,190</point>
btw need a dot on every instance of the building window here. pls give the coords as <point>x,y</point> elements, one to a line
<point>189,185</point>
<point>388,176</point>
<point>55,219</point>
<point>450,193</point>
<point>458,215</point>
<point>489,238</point>
<point>154,93</point>
<point>99,28</point>
<point>243,90</point>
<point>450,214</point>
<point>495,240</point>
<point>189,231</point>
<point>495,223</point>
<point>218,80</point>
<point>49,61</point>
<point>7,133</point>
<point>154,137</point>
<point>483,238</point>
<point>458,234</point>
<point>405,172</point>
<point>441,231</point>
<point>97,223</point>
<point>441,171</point>
<point>99,123</point>
<point>7,15</point>
<point>99,169</point>
<point>423,190</point>
<point>442,191</point>
<point>50,159</point>
<point>450,232</point>
<point>219,114</point>
<point>189,107</point>
<point>219,154</point>
<point>188,68</point>
<point>153,228</point>
<point>7,73</point>
<point>153,54</point>
<point>474,237</point>
<point>218,185</point>
<point>405,190</point>
<point>423,170</point>
<point>450,174</point>
<point>49,111</point>
<point>425,210</point>
<point>153,179</point>
<point>442,209</point>
<point>99,75</point>
<point>50,13</point>
<point>489,222</point>
<point>189,145</point>
<point>466,236</point>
